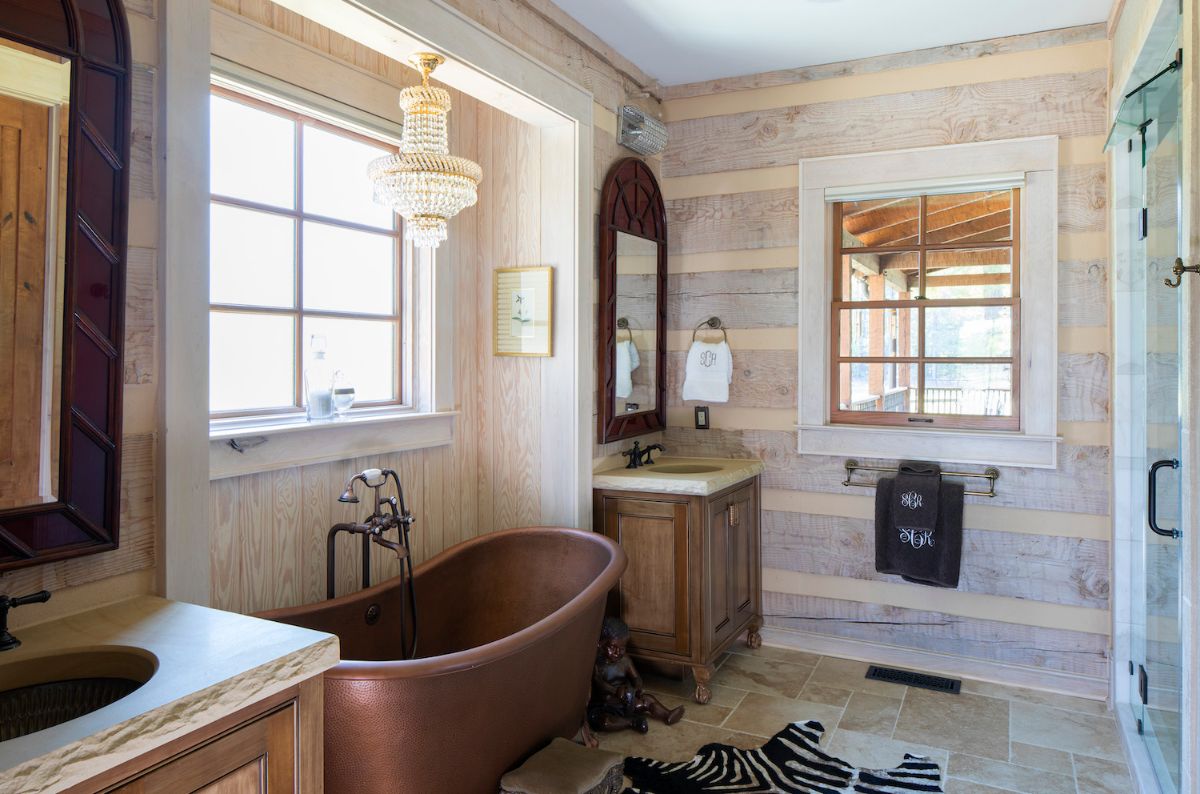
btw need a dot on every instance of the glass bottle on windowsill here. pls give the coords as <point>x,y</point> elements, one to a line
<point>318,381</point>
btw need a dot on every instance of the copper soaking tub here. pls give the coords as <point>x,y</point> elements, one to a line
<point>507,630</point>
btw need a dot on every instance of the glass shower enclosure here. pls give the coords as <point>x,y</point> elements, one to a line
<point>1148,127</point>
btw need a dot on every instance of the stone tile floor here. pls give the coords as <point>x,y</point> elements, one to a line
<point>990,738</point>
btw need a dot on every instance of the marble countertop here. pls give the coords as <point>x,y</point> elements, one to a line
<point>658,479</point>
<point>209,664</point>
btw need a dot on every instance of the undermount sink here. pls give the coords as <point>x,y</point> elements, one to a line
<point>42,692</point>
<point>683,468</point>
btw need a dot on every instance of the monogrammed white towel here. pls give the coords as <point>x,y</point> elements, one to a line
<point>708,372</point>
<point>627,361</point>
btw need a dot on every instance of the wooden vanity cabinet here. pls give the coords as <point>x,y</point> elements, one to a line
<point>270,747</point>
<point>693,584</point>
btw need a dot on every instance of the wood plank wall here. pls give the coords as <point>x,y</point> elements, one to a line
<point>127,571</point>
<point>1036,573</point>
<point>268,530</point>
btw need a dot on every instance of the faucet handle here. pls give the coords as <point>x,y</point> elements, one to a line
<point>634,454</point>
<point>7,640</point>
<point>40,597</point>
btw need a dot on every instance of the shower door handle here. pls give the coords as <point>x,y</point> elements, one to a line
<point>1152,499</point>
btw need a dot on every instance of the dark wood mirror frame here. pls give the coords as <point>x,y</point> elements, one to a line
<point>630,202</point>
<point>94,35</point>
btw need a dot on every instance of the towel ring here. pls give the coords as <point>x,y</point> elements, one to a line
<point>623,325</point>
<point>712,323</point>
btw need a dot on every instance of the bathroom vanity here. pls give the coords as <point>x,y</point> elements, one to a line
<point>221,702</point>
<point>690,528</point>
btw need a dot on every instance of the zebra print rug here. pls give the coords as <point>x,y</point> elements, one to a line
<point>789,763</point>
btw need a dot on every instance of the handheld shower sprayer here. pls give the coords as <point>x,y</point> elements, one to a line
<point>387,513</point>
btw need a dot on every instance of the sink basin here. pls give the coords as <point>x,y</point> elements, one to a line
<point>42,692</point>
<point>683,468</point>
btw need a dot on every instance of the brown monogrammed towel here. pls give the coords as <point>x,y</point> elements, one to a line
<point>925,556</point>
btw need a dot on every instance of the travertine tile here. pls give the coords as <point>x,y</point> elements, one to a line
<point>850,674</point>
<point>766,676</point>
<point>756,693</point>
<point>708,713</point>
<point>957,786</point>
<point>1041,758</point>
<point>683,690</point>
<point>1095,707</point>
<point>1097,776</point>
<point>1066,730</point>
<point>868,751</point>
<point>868,713</point>
<point>829,695</point>
<point>1009,776</point>
<point>767,715</point>
<point>964,723</point>
<point>779,654</point>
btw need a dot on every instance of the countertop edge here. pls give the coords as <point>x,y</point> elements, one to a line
<point>106,749</point>
<point>678,487</point>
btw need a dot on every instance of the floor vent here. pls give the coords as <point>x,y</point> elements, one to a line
<point>909,678</point>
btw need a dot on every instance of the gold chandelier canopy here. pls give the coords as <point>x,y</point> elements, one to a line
<point>424,183</point>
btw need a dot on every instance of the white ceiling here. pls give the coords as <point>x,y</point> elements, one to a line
<point>684,41</point>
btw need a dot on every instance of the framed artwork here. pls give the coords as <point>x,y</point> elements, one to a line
<point>524,311</point>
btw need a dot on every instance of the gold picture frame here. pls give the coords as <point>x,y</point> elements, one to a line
<point>523,311</point>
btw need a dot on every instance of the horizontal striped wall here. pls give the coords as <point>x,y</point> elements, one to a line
<point>1034,589</point>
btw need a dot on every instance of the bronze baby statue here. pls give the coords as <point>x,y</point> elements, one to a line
<point>618,701</point>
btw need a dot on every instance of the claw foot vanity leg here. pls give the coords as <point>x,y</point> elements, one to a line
<point>753,635</point>
<point>703,674</point>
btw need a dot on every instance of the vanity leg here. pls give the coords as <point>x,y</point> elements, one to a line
<point>703,674</point>
<point>753,637</point>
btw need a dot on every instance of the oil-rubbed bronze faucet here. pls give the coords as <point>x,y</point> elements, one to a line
<point>7,640</point>
<point>639,457</point>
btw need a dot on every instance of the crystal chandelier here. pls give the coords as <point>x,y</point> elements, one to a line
<point>424,183</point>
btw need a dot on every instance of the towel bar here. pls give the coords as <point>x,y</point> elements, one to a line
<point>991,474</point>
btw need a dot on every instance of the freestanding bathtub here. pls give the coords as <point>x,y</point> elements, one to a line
<point>507,631</point>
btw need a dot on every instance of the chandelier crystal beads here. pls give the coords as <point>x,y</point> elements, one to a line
<point>424,183</point>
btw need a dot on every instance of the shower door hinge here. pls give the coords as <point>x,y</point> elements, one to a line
<point>1141,729</point>
<point>1144,224</point>
<point>1143,685</point>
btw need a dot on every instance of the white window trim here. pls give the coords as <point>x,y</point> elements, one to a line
<point>427,417</point>
<point>1034,161</point>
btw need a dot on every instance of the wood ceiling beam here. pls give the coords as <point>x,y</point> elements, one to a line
<point>892,223</point>
<point>907,260</point>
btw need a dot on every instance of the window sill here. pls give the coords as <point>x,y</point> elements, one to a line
<point>977,447</point>
<point>282,444</point>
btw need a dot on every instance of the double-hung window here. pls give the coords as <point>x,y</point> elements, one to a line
<point>925,318</point>
<point>928,304</point>
<point>299,252</point>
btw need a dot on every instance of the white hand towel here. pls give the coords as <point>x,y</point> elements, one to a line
<point>627,361</point>
<point>708,372</point>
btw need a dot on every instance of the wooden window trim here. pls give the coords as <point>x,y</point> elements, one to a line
<point>299,216</point>
<point>921,419</point>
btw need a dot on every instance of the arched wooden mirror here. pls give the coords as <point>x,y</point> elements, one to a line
<point>64,186</point>
<point>633,303</point>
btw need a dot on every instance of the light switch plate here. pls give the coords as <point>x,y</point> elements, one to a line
<point>701,417</point>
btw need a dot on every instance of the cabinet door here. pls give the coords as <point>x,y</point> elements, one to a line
<point>257,758</point>
<point>652,596</point>
<point>719,571</point>
<point>745,558</point>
